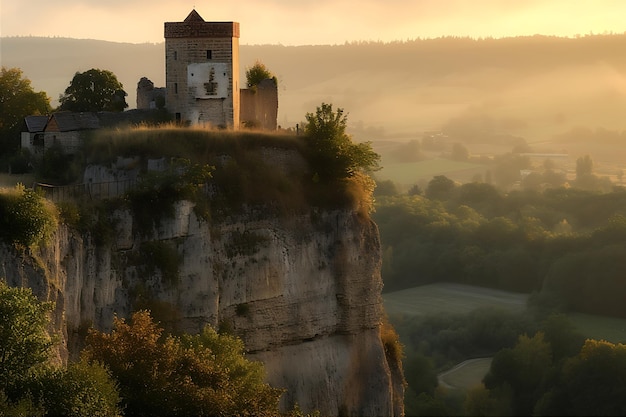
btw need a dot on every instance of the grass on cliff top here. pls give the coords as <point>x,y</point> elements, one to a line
<point>240,174</point>
<point>199,145</point>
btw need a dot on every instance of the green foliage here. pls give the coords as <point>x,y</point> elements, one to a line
<point>451,338</point>
<point>245,393</point>
<point>591,383</point>
<point>17,100</point>
<point>386,187</point>
<point>332,153</point>
<point>391,344</point>
<point>440,188</point>
<point>24,340</point>
<point>507,167</point>
<point>257,73</point>
<point>523,369</point>
<point>29,383</point>
<point>59,168</point>
<point>584,166</point>
<point>420,374</point>
<point>199,375</point>
<point>566,243</point>
<point>26,218</point>
<point>22,407</point>
<point>525,380</point>
<point>80,389</point>
<point>93,91</point>
<point>158,191</point>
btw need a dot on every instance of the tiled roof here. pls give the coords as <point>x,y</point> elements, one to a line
<point>69,121</point>
<point>194,17</point>
<point>35,124</point>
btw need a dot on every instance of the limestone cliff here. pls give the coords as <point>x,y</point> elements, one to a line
<point>302,291</point>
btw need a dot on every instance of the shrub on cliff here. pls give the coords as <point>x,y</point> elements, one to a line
<point>332,153</point>
<point>200,375</point>
<point>26,217</point>
<point>30,383</point>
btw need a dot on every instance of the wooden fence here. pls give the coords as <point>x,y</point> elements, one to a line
<point>94,190</point>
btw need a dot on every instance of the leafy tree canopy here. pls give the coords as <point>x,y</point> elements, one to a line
<point>17,100</point>
<point>257,73</point>
<point>198,375</point>
<point>24,340</point>
<point>92,91</point>
<point>333,154</point>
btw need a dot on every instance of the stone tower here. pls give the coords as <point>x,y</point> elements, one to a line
<point>202,71</point>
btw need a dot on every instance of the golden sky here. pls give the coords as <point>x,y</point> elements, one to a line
<point>314,22</point>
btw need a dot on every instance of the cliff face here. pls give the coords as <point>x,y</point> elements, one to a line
<point>303,292</point>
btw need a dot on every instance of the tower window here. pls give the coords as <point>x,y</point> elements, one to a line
<point>209,54</point>
<point>175,88</point>
<point>175,55</point>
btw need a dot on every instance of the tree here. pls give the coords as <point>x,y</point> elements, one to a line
<point>257,73</point>
<point>386,187</point>
<point>80,389</point>
<point>92,91</point>
<point>440,188</point>
<point>333,155</point>
<point>17,100</point>
<point>591,383</point>
<point>24,340</point>
<point>197,375</point>
<point>584,166</point>
<point>522,369</point>
<point>459,152</point>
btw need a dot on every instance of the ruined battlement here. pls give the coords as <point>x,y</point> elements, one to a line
<point>197,29</point>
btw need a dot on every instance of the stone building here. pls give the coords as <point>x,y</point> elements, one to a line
<point>202,77</point>
<point>149,97</point>
<point>202,71</point>
<point>64,129</point>
<point>259,105</point>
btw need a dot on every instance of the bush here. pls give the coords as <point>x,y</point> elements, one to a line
<point>81,389</point>
<point>200,375</point>
<point>26,217</point>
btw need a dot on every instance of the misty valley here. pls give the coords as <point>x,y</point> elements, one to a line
<point>450,223</point>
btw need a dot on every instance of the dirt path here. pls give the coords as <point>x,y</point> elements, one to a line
<point>469,372</point>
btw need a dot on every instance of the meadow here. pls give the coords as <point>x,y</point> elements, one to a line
<point>408,173</point>
<point>442,298</point>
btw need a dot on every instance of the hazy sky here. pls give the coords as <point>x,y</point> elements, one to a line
<point>313,22</point>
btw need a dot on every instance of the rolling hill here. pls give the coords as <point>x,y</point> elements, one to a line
<point>534,87</point>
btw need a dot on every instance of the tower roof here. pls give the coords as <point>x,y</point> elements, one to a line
<point>194,17</point>
<point>194,26</point>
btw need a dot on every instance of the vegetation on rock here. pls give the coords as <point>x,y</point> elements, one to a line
<point>26,218</point>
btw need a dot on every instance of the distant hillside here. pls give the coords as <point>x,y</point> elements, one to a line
<point>534,87</point>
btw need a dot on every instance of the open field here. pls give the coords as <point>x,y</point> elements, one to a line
<point>457,298</point>
<point>466,374</point>
<point>409,173</point>
<point>451,298</point>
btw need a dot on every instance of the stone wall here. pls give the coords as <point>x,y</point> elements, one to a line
<point>259,106</point>
<point>196,42</point>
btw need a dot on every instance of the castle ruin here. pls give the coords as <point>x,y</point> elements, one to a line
<point>202,79</point>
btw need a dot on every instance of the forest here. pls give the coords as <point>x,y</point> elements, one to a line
<point>559,240</point>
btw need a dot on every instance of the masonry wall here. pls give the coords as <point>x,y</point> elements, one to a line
<point>259,106</point>
<point>186,44</point>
